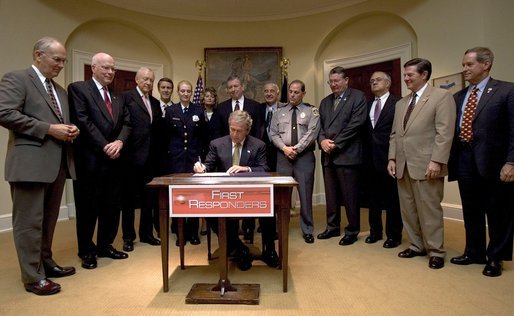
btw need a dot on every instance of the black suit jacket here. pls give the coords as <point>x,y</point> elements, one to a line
<point>141,150</point>
<point>344,127</point>
<point>187,137</point>
<point>271,150</point>
<point>377,139</point>
<point>253,155</point>
<point>493,130</point>
<point>225,108</point>
<point>97,127</point>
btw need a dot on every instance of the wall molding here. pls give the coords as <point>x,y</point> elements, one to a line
<point>451,211</point>
<point>6,220</point>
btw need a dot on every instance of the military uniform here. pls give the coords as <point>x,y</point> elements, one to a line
<point>302,168</point>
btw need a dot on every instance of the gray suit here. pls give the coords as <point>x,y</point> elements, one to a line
<point>341,166</point>
<point>36,167</point>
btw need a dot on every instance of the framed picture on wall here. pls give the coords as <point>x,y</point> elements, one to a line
<point>254,65</point>
<point>452,83</point>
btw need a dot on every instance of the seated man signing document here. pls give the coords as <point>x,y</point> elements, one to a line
<point>235,153</point>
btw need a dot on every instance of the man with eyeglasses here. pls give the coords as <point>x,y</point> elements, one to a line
<point>104,120</point>
<point>381,188</point>
<point>35,110</point>
<point>342,116</point>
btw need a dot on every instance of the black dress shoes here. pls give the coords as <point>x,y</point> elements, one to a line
<point>112,253</point>
<point>348,240</point>
<point>270,258</point>
<point>493,268</point>
<point>150,240</point>
<point>371,239</point>
<point>464,260</point>
<point>89,262</point>
<point>43,287</point>
<point>436,262</point>
<point>308,238</point>
<point>329,234</point>
<point>194,240</point>
<point>59,272</point>
<point>391,243</point>
<point>128,245</point>
<point>243,257</point>
<point>409,253</point>
<point>245,264</point>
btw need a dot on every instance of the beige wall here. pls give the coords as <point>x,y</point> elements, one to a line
<point>439,30</point>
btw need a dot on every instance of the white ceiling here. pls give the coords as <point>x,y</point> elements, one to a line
<point>231,10</point>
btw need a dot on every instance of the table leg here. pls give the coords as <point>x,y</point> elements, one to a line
<point>181,240</point>
<point>224,284</point>
<point>283,242</point>
<point>164,222</point>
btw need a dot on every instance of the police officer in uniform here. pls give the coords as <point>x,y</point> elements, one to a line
<point>294,129</point>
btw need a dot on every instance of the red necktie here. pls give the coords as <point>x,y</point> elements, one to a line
<point>466,132</point>
<point>108,103</point>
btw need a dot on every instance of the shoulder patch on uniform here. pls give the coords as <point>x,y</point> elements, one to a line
<point>315,111</point>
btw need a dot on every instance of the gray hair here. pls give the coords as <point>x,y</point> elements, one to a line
<point>241,116</point>
<point>483,54</point>
<point>43,44</point>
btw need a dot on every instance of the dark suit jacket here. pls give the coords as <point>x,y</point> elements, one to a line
<point>141,150</point>
<point>377,139</point>
<point>97,127</point>
<point>225,108</point>
<point>187,137</point>
<point>26,110</point>
<point>344,127</point>
<point>253,155</point>
<point>493,130</point>
<point>271,150</point>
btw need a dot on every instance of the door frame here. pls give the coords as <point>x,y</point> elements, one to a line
<point>403,52</point>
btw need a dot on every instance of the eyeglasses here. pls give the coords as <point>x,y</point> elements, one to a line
<point>377,80</point>
<point>107,68</point>
<point>331,82</point>
<point>58,60</point>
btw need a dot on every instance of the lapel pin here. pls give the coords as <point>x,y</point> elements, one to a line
<point>489,90</point>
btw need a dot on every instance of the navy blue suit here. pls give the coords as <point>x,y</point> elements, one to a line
<point>220,121</point>
<point>476,166</point>
<point>219,159</point>
<point>187,134</point>
<point>225,108</point>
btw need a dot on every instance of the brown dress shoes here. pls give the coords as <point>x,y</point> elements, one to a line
<point>43,287</point>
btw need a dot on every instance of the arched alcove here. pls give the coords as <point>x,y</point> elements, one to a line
<point>131,45</point>
<point>364,39</point>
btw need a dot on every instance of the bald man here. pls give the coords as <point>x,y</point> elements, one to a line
<point>104,121</point>
<point>141,159</point>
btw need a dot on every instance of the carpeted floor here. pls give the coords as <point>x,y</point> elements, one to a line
<point>324,279</point>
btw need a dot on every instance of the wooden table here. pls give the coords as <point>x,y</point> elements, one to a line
<point>281,185</point>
